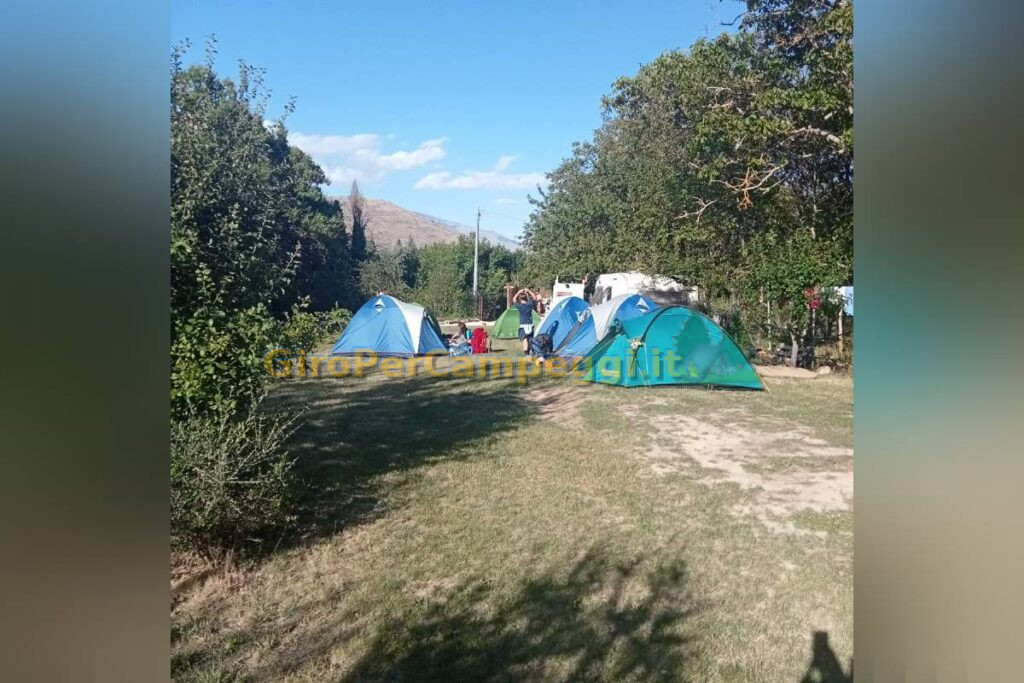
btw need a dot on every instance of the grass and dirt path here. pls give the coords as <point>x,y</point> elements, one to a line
<point>469,529</point>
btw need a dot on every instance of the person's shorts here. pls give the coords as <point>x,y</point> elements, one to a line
<point>525,331</point>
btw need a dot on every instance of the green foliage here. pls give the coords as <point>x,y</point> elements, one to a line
<point>440,276</point>
<point>217,359</point>
<point>231,479</point>
<point>385,272</point>
<point>729,166</point>
<point>333,322</point>
<point>444,285</point>
<point>251,235</point>
<point>306,330</point>
<point>359,221</point>
<point>259,259</point>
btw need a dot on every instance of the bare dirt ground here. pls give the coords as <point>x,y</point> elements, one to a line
<point>559,403</point>
<point>780,464</point>
<point>784,371</point>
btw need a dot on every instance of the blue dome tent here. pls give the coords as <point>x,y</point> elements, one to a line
<point>561,319</point>
<point>595,321</point>
<point>389,327</point>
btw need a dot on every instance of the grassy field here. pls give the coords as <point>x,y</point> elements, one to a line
<point>468,529</point>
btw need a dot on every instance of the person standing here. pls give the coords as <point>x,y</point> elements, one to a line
<point>525,300</point>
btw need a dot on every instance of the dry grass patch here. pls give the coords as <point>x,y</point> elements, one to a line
<point>454,531</point>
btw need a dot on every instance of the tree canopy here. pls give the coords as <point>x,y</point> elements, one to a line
<point>440,275</point>
<point>253,239</point>
<point>728,166</point>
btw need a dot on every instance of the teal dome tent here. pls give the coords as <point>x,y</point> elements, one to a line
<point>674,345</point>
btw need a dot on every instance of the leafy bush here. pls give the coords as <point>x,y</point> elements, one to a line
<point>385,272</point>
<point>333,322</point>
<point>301,330</point>
<point>254,243</point>
<point>440,276</point>
<point>305,330</point>
<point>231,479</point>
<point>217,359</point>
<point>252,238</point>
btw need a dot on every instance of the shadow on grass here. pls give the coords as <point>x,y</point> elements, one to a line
<point>601,620</point>
<point>353,431</point>
<point>825,666</point>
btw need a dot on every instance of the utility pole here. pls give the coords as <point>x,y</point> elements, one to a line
<point>476,253</point>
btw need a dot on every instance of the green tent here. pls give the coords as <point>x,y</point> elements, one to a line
<point>673,345</point>
<point>507,324</point>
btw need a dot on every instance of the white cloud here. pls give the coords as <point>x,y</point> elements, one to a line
<point>495,179</point>
<point>504,162</point>
<point>430,150</point>
<point>345,158</point>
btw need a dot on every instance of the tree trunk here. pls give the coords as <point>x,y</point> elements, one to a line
<point>810,336</point>
<point>794,350</point>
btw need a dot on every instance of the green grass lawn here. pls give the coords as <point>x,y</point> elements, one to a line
<point>466,529</point>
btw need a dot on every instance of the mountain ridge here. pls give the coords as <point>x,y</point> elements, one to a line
<point>387,223</point>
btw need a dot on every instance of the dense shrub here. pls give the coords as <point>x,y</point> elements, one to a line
<point>231,479</point>
<point>217,359</point>
<point>333,322</point>
<point>306,330</point>
<point>440,276</point>
<point>259,258</point>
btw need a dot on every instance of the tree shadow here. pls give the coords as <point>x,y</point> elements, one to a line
<point>824,666</point>
<point>353,432</point>
<point>601,620</point>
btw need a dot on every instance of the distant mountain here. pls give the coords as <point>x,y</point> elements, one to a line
<point>388,222</point>
<point>489,235</point>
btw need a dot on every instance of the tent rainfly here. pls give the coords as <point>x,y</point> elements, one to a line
<point>507,324</point>
<point>594,323</point>
<point>389,327</point>
<point>673,345</point>
<point>561,318</point>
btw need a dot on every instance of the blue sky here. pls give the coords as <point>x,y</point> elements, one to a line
<point>443,107</point>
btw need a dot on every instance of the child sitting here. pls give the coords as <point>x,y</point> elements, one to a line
<point>459,344</point>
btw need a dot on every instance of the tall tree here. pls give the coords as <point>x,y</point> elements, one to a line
<point>728,165</point>
<point>252,235</point>
<point>359,222</point>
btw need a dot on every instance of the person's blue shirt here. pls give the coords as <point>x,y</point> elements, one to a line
<point>525,312</point>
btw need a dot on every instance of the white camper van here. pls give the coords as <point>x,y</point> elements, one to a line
<point>564,289</point>
<point>662,290</point>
